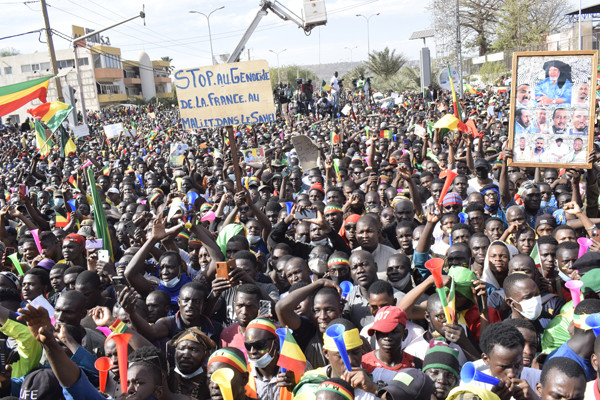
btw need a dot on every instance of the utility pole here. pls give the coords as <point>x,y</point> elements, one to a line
<point>59,92</point>
<point>459,51</point>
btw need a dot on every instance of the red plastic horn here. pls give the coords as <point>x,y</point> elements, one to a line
<point>103,364</point>
<point>121,340</point>
<point>434,266</point>
<point>450,175</point>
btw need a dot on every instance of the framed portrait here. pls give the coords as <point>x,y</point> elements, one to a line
<point>552,108</point>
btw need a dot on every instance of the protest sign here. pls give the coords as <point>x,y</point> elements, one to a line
<point>225,94</point>
<point>81,131</point>
<point>254,156</point>
<point>307,151</point>
<point>346,110</point>
<point>113,130</point>
<point>177,154</point>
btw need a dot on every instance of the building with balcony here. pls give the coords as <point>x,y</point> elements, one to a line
<point>106,78</point>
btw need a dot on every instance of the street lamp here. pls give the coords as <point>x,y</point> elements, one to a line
<point>277,53</point>
<point>368,39</point>
<point>209,33</point>
<point>350,48</point>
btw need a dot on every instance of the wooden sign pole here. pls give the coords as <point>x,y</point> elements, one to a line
<point>234,158</point>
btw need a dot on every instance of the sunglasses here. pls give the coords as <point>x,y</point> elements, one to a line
<point>259,345</point>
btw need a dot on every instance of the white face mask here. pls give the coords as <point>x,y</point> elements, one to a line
<point>171,283</point>
<point>252,239</point>
<point>263,361</point>
<point>189,376</point>
<point>532,308</point>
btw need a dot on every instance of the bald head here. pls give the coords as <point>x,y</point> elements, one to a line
<point>405,210</point>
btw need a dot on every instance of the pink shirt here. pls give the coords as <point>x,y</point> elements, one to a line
<point>232,336</point>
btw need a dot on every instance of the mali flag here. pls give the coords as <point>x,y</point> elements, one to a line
<point>13,97</point>
<point>73,182</point>
<point>60,221</point>
<point>291,356</point>
<point>44,145</point>
<point>334,138</point>
<point>457,109</point>
<point>325,86</point>
<point>66,143</point>
<point>52,114</point>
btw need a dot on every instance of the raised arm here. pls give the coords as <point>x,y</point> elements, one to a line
<point>286,306</point>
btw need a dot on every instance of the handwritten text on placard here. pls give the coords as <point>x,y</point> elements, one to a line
<point>225,94</point>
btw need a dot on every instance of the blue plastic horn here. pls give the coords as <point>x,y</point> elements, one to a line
<point>469,373</point>
<point>192,197</point>
<point>336,333</point>
<point>464,217</point>
<point>593,321</point>
<point>72,205</point>
<point>346,287</point>
<point>281,334</point>
<point>288,206</point>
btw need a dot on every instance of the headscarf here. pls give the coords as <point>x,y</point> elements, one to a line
<point>493,188</point>
<point>487,275</point>
<point>472,392</point>
<point>226,234</point>
<point>352,219</point>
<point>193,334</point>
<point>463,281</point>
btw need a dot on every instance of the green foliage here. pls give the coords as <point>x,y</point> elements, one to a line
<point>491,71</point>
<point>385,64</point>
<point>289,73</point>
<point>405,79</point>
<point>523,24</point>
<point>9,51</point>
<point>169,59</point>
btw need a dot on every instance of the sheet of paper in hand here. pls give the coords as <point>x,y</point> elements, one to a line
<point>307,151</point>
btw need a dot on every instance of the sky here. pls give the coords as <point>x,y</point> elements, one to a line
<point>172,31</point>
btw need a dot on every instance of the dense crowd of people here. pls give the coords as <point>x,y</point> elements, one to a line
<point>203,268</point>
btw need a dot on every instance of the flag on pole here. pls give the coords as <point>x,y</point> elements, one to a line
<point>325,86</point>
<point>291,356</point>
<point>13,97</point>
<point>99,217</point>
<point>334,138</point>
<point>457,109</point>
<point>60,221</point>
<point>73,182</point>
<point>52,114</point>
<point>66,144</point>
<point>44,145</point>
<point>535,255</point>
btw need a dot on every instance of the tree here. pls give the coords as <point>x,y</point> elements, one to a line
<point>385,64</point>
<point>478,22</point>
<point>289,74</point>
<point>526,23</point>
<point>9,51</point>
<point>170,68</point>
<point>491,71</point>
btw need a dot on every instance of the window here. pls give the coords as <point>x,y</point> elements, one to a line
<point>65,64</point>
<point>26,68</point>
<point>7,70</point>
<point>35,67</point>
<point>97,61</point>
<point>84,61</point>
<point>108,89</point>
<point>45,66</point>
<point>111,61</point>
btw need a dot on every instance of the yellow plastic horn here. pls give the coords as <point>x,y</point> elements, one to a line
<point>223,377</point>
<point>179,181</point>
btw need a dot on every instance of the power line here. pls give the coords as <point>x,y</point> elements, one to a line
<point>22,34</point>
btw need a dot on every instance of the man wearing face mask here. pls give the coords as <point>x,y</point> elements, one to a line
<point>338,267</point>
<point>262,345</point>
<point>482,172</point>
<point>317,260</point>
<point>524,299</point>
<point>192,348</point>
<point>581,345</point>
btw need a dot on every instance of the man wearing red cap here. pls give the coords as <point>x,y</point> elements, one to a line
<point>73,249</point>
<point>390,329</point>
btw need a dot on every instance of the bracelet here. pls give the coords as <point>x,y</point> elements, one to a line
<point>592,227</point>
<point>118,326</point>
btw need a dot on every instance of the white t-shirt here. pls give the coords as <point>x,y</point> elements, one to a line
<point>334,83</point>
